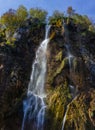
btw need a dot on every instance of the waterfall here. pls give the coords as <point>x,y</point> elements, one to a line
<point>34,106</point>
<point>67,45</point>
<point>70,57</point>
<point>64,119</point>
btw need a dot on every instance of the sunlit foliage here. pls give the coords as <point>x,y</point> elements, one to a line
<point>56,18</point>
<point>38,14</point>
<point>21,14</point>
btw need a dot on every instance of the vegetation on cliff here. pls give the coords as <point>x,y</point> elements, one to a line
<point>21,32</point>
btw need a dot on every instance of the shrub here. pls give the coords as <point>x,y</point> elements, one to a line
<point>38,14</point>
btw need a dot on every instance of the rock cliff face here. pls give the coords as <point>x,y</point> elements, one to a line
<point>70,80</point>
<point>15,70</point>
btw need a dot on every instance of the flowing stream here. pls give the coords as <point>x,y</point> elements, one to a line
<point>70,57</point>
<point>34,106</point>
<point>64,119</point>
<point>90,63</point>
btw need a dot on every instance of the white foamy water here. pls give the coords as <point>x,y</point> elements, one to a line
<point>34,105</point>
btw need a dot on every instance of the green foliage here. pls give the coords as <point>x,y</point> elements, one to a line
<point>9,19</point>
<point>38,14</point>
<point>12,19</point>
<point>78,109</point>
<point>2,34</point>
<point>62,65</point>
<point>21,14</point>
<point>11,41</point>
<point>86,19</point>
<point>57,14</point>
<point>59,56</point>
<point>59,69</point>
<point>57,101</point>
<point>91,28</point>
<point>56,18</point>
<point>79,19</point>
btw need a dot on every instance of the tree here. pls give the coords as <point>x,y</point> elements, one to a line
<point>57,14</point>
<point>86,20</point>
<point>9,19</point>
<point>91,28</point>
<point>38,13</point>
<point>21,14</point>
<point>13,19</point>
<point>70,11</point>
<point>56,18</point>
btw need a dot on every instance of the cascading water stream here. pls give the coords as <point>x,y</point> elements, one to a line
<point>64,119</point>
<point>34,105</point>
<point>70,57</point>
<point>67,45</point>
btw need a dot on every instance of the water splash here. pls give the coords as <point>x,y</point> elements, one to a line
<point>64,120</point>
<point>34,106</point>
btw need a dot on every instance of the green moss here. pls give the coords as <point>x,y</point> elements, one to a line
<point>77,114</point>
<point>91,28</point>
<point>57,70</point>
<point>11,41</point>
<point>57,101</point>
<point>61,67</point>
<point>59,56</point>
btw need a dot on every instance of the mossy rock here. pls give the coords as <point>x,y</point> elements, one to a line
<point>59,56</point>
<point>57,101</point>
<point>58,70</point>
<point>79,111</point>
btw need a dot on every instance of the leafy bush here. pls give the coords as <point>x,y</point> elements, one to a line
<point>12,19</point>
<point>56,18</point>
<point>9,19</point>
<point>21,14</point>
<point>91,28</point>
<point>38,14</point>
